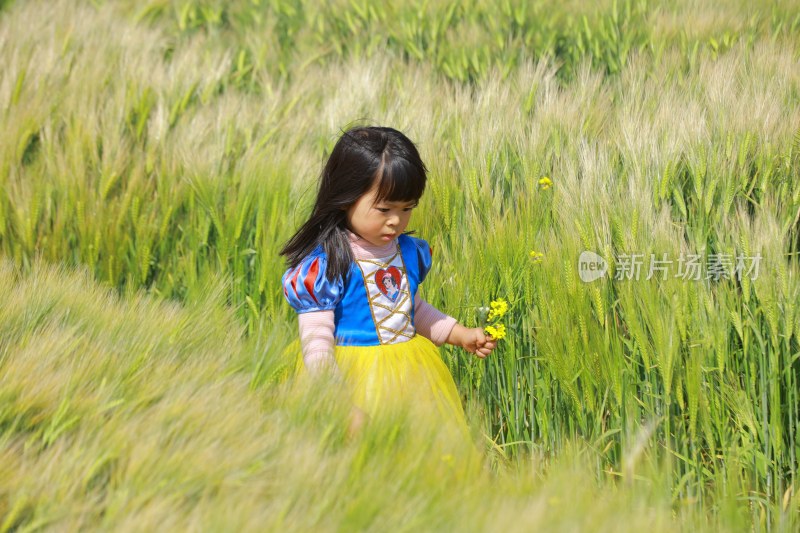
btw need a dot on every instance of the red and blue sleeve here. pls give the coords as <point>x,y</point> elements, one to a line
<point>424,258</point>
<point>307,289</point>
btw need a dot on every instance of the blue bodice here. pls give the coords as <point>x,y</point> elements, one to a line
<point>375,304</point>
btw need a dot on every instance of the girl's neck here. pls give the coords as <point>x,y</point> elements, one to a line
<point>363,249</point>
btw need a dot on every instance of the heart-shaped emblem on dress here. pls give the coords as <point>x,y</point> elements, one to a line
<point>388,282</point>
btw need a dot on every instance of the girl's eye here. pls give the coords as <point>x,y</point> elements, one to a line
<point>386,209</point>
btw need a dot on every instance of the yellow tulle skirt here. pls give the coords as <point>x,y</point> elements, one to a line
<point>408,375</point>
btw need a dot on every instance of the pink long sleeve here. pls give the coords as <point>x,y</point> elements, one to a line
<point>316,331</point>
<point>316,339</point>
<point>432,323</point>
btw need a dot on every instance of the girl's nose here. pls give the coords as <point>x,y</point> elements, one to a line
<point>393,220</point>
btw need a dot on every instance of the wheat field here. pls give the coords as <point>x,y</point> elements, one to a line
<point>155,156</point>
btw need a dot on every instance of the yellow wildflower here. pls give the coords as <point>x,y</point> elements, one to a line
<point>545,182</point>
<point>497,331</point>
<point>537,256</point>
<point>498,307</point>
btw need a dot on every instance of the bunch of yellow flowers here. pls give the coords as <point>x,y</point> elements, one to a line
<point>497,309</point>
<point>545,182</point>
<point>498,331</point>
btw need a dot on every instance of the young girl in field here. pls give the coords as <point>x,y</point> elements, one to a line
<point>353,278</point>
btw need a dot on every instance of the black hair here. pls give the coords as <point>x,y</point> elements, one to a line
<point>361,157</point>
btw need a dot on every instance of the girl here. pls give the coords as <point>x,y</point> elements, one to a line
<point>353,278</point>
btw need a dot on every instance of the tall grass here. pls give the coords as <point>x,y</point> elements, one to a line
<point>166,146</point>
<point>133,414</point>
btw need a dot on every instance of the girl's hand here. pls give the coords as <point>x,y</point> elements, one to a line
<point>357,420</point>
<point>473,340</point>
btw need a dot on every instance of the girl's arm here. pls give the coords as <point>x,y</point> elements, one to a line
<point>441,328</point>
<point>430,322</point>
<point>316,339</point>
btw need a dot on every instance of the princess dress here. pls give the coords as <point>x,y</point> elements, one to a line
<point>382,358</point>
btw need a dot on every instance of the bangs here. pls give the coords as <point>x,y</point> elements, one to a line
<point>399,180</point>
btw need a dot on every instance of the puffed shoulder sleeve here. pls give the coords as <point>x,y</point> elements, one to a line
<point>424,256</point>
<point>306,287</point>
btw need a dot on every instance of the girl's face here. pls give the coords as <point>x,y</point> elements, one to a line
<point>378,223</point>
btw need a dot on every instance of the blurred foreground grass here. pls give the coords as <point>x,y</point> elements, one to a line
<point>130,414</point>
